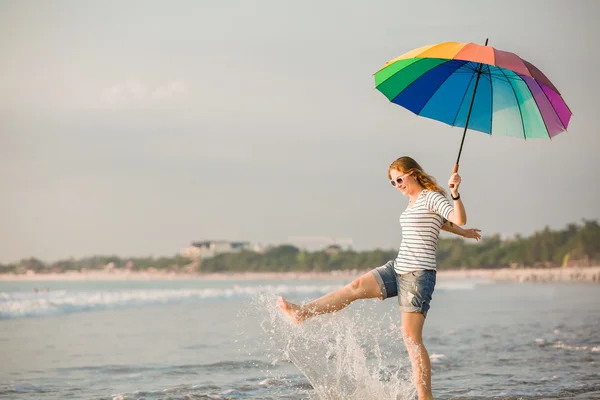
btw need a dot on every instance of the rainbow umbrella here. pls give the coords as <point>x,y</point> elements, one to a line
<point>476,87</point>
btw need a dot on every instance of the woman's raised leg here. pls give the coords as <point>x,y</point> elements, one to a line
<point>365,287</point>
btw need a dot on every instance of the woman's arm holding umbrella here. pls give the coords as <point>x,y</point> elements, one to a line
<point>458,215</point>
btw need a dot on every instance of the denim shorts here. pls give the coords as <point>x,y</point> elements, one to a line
<point>415,288</point>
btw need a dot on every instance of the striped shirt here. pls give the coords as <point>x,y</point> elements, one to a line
<point>421,226</point>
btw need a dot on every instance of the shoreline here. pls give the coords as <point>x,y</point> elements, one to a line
<point>572,274</point>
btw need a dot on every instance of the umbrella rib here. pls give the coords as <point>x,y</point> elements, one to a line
<point>552,106</point>
<point>525,62</point>
<point>518,105</point>
<point>538,106</point>
<point>438,88</point>
<point>501,76</point>
<point>463,99</point>
<point>468,64</point>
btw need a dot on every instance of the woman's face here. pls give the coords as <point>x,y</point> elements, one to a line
<point>402,181</point>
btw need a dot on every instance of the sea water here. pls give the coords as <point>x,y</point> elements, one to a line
<point>227,340</point>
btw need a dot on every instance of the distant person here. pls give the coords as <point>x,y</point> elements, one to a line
<point>412,274</point>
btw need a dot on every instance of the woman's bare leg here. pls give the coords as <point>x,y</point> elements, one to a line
<point>365,287</point>
<point>412,331</point>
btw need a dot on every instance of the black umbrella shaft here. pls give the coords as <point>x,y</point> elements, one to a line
<point>470,108</point>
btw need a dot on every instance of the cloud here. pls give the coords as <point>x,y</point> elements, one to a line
<point>135,94</point>
<point>171,90</point>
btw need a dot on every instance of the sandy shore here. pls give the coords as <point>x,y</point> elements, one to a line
<point>580,274</point>
<point>574,274</point>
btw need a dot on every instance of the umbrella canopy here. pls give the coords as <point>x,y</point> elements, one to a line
<point>475,87</point>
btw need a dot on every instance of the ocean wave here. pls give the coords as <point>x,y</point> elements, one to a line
<point>558,344</point>
<point>561,345</point>
<point>28,304</point>
<point>21,304</point>
<point>116,370</point>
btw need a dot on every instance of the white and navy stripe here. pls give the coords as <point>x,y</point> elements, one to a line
<point>421,226</point>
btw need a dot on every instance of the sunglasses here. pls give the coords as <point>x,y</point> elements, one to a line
<point>398,180</point>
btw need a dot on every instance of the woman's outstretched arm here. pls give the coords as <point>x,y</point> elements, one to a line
<point>469,233</point>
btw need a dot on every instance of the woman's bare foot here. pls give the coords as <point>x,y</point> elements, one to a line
<point>291,310</point>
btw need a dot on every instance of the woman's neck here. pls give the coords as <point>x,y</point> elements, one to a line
<point>414,195</point>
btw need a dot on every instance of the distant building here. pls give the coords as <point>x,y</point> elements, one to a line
<point>329,245</point>
<point>262,248</point>
<point>333,249</point>
<point>211,248</point>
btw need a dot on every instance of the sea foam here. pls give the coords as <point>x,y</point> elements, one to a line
<point>22,304</point>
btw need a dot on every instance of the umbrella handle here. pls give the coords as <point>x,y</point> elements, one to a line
<point>455,170</point>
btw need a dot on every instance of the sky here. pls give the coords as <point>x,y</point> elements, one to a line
<point>134,128</point>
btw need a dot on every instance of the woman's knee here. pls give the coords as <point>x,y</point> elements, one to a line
<point>354,289</point>
<point>363,288</point>
<point>412,335</point>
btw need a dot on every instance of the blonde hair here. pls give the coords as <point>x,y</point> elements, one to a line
<point>407,165</point>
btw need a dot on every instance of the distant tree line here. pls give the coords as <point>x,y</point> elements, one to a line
<point>97,263</point>
<point>574,245</point>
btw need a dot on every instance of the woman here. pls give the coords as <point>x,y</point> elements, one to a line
<point>412,274</point>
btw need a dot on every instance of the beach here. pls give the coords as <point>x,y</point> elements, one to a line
<point>571,274</point>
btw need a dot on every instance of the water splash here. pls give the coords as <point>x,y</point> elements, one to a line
<point>353,354</point>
